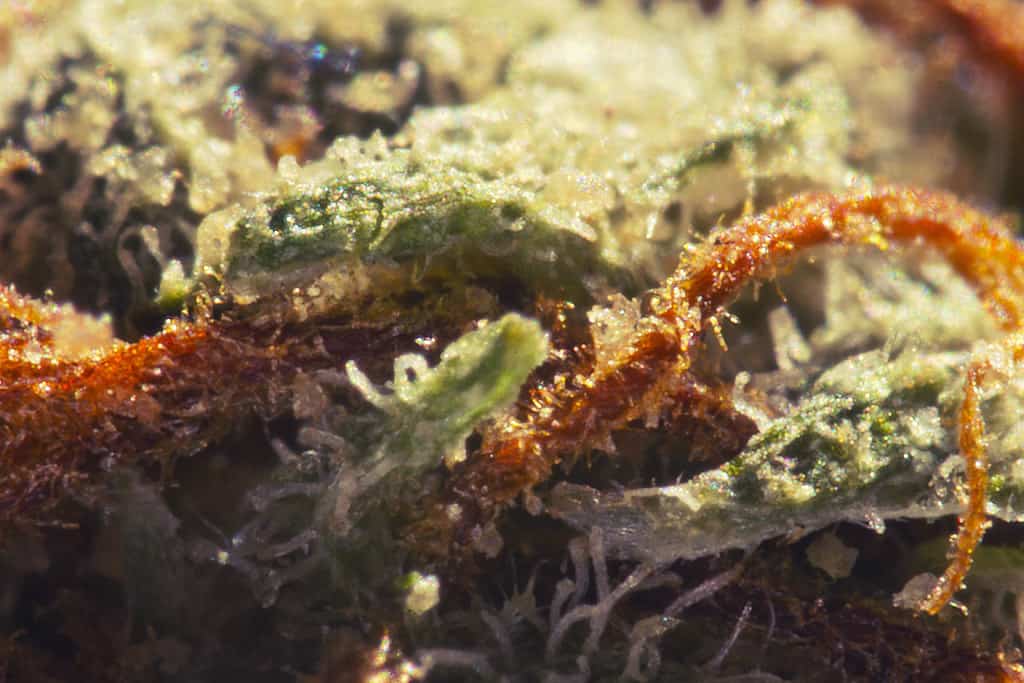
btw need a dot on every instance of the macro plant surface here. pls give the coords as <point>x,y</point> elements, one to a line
<point>397,343</point>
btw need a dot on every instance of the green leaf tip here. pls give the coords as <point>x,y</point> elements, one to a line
<point>478,375</point>
<point>429,412</point>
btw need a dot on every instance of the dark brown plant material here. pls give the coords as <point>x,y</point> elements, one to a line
<point>851,634</point>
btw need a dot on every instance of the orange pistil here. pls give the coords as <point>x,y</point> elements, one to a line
<point>67,404</point>
<point>578,410</point>
<point>973,523</point>
<point>73,399</point>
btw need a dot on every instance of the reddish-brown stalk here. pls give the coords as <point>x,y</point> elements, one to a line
<point>578,411</point>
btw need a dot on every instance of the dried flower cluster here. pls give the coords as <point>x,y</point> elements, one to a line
<point>63,413</point>
<point>442,289</point>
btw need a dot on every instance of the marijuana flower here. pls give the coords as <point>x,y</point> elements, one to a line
<point>538,341</point>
